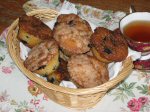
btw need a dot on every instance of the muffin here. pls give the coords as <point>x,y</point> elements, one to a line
<point>60,74</point>
<point>72,33</point>
<point>86,71</point>
<point>108,46</point>
<point>33,31</point>
<point>43,58</point>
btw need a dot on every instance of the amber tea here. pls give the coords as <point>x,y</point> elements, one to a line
<point>138,31</point>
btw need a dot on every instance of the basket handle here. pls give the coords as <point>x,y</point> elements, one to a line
<point>49,14</point>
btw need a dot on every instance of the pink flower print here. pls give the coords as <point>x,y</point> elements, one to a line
<point>143,100</point>
<point>33,89</point>
<point>30,83</point>
<point>147,76</point>
<point>134,105</point>
<point>35,102</point>
<point>6,70</point>
<point>4,96</point>
<point>45,97</point>
<point>46,1</point>
<point>4,34</point>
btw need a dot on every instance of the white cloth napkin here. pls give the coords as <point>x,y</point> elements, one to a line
<point>113,68</point>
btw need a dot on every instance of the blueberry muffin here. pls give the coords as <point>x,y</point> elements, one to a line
<point>60,74</point>
<point>108,46</point>
<point>86,71</point>
<point>43,58</point>
<point>33,31</point>
<point>72,33</point>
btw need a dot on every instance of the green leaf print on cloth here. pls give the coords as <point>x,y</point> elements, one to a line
<point>124,91</point>
<point>2,44</point>
<point>56,2</point>
<point>144,89</point>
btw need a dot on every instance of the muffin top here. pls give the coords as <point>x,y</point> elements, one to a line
<point>109,44</point>
<point>40,55</point>
<point>35,27</point>
<point>86,71</point>
<point>72,33</point>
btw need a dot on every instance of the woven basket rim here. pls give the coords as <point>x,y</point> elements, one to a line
<point>80,91</point>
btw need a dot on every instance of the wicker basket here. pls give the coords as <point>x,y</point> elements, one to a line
<point>74,98</point>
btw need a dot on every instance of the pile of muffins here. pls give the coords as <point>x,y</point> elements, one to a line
<point>71,51</point>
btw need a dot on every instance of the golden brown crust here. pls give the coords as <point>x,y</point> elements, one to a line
<point>72,33</point>
<point>86,71</point>
<point>109,44</point>
<point>35,27</point>
<point>67,17</point>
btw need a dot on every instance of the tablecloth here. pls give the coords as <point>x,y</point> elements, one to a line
<point>19,94</point>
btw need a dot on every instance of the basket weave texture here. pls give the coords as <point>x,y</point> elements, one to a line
<point>73,98</point>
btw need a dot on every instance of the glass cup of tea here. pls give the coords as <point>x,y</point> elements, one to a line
<point>136,29</point>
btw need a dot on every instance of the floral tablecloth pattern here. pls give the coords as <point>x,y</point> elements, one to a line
<point>19,94</point>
